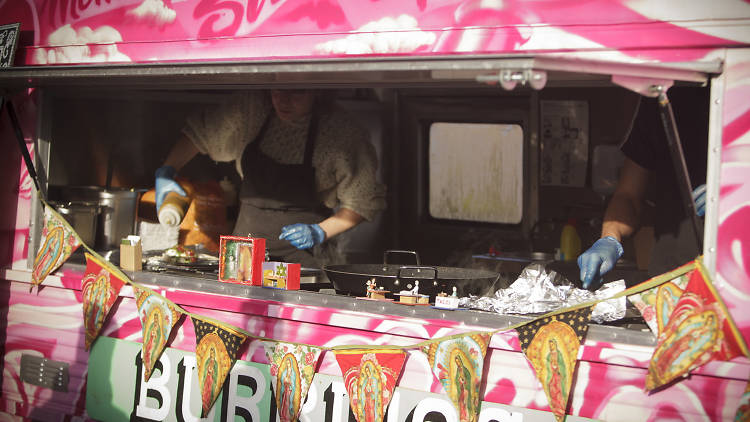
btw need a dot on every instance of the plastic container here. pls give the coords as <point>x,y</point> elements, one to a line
<point>173,209</point>
<point>570,242</point>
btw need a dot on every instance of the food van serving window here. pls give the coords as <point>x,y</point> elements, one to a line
<point>476,172</point>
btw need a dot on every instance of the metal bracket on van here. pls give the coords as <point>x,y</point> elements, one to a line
<point>509,78</point>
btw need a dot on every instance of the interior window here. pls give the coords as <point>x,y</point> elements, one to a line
<point>476,172</point>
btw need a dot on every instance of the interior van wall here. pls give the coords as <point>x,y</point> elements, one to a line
<point>133,136</point>
<point>452,243</point>
<point>441,242</point>
<point>611,110</point>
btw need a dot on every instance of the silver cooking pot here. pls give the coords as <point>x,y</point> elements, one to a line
<point>117,210</point>
<point>83,216</point>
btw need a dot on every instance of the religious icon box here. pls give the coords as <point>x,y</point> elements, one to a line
<point>241,259</point>
<point>281,275</point>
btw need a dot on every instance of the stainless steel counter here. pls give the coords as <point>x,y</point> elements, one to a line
<point>327,298</point>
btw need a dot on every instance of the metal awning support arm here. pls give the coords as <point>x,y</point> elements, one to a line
<point>682,176</point>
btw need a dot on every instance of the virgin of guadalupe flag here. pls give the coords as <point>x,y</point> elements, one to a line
<point>100,287</point>
<point>216,351</point>
<point>551,345</point>
<point>292,370</point>
<point>60,241</point>
<point>457,363</point>
<point>657,304</point>
<point>370,376</point>
<point>699,330</point>
<point>743,410</point>
<point>158,317</point>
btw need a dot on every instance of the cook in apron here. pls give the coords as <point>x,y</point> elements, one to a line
<point>273,195</point>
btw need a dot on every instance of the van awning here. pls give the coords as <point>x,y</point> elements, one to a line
<point>560,69</point>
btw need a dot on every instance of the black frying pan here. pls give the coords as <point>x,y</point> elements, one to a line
<point>351,279</point>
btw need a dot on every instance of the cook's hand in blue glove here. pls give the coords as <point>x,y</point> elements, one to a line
<point>699,199</point>
<point>165,183</point>
<point>598,260</point>
<point>303,236</point>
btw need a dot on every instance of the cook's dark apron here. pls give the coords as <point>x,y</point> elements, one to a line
<point>273,195</point>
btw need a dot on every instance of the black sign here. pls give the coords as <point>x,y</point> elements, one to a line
<point>8,42</point>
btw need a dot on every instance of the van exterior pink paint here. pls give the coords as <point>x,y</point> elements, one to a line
<point>96,31</point>
<point>610,376</point>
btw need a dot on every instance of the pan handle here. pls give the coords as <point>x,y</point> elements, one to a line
<point>393,251</point>
<point>418,268</point>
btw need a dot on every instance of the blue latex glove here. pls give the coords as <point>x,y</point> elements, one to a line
<point>598,260</point>
<point>303,236</point>
<point>699,199</point>
<point>165,183</point>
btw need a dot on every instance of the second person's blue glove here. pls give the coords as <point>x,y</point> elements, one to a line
<point>699,199</point>
<point>303,236</point>
<point>598,260</point>
<point>165,183</point>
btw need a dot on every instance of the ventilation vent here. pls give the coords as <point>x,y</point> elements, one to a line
<point>44,372</point>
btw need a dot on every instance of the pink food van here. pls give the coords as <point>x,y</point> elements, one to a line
<point>101,88</point>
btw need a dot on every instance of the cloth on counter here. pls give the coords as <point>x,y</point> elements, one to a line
<point>345,162</point>
<point>537,291</point>
<point>156,236</point>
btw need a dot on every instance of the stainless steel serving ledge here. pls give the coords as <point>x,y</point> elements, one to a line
<point>489,320</point>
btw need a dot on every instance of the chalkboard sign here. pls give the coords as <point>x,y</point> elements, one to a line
<point>8,41</point>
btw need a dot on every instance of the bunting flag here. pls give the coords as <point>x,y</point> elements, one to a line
<point>699,330</point>
<point>216,351</point>
<point>370,376</point>
<point>458,363</point>
<point>292,370</point>
<point>743,410</point>
<point>158,317</point>
<point>100,286</point>
<point>657,304</point>
<point>551,345</point>
<point>60,241</point>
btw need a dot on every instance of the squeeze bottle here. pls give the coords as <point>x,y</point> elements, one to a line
<point>174,206</point>
<point>570,242</point>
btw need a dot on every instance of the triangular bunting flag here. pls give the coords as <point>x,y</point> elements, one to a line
<point>458,364</point>
<point>699,330</point>
<point>60,241</point>
<point>292,370</point>
<point>158,317</point>
<point>657,304</point>
<point>100,287</point>
<point>370,376</point>
<point>551,345</point>
<point>743,410</point>
<point>216,351</point>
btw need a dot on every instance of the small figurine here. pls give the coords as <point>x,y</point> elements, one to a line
<point>412,297</point>
<point>455,292</point>
<point>374,292</point>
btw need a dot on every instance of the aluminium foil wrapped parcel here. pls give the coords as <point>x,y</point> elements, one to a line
<point>537,291</point>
